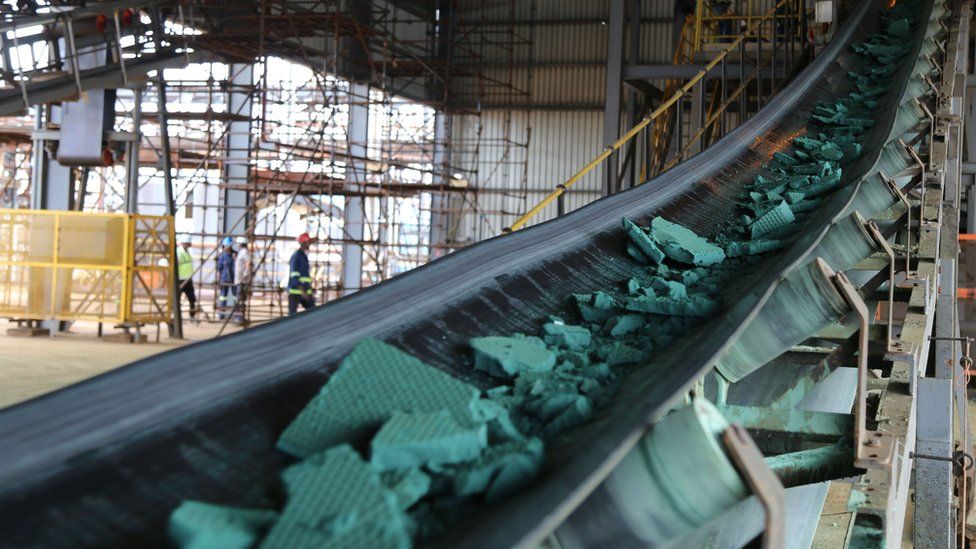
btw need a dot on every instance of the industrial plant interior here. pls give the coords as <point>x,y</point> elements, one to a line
<point>553,274</point>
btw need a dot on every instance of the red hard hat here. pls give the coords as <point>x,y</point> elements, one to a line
<point>304,238</point>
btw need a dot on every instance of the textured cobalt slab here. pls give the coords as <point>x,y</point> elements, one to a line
<point>375,380</point>
<point>335,499</point>
<point>773,220</point>
<point>412,440</point>
<point>508,356</point>
<point>682,244</point>
<point>198,525</point>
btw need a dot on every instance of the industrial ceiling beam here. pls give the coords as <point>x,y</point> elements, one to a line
<point>65,88</point>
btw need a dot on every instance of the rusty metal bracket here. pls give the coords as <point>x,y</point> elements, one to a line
<point>908,206</point>
<point>761,481</point>
<point>876,235</point>
<point>872,449</point>
<point>931,132</point>
<point>915,156</point>
<point>931,84</point>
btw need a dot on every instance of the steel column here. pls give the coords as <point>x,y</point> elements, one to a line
<point>614,90</point>
<point>439,219</point>
<point>237,166</point>
<point>934,516</point>
<point>132,156</point>
<point>354,211</point>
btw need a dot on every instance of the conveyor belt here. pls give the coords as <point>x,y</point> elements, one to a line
<point>102,463</point>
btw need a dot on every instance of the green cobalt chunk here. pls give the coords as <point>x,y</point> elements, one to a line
<point>682,244</point>
<point>620,353</point>
<point>509,356</point>
<point>407,485</point>
<point>412,440</point>
<point>579,410</point>
<point>694,305</point>
<point>773,220</point>
<point>375,380</point>
<point>335,499</point>
<point>501,469</point>
<point>560,334</point>
<point>622,325</point>
<point>589,311</point>
<point>198,525</point>
<point>751,247</point>
<point>643,242</point>
<point>900,28</point>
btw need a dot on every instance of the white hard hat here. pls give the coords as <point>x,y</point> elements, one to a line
<point>241,240</point>
<point>185,239</point>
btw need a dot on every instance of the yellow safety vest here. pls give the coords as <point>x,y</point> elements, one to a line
<point>185,261</point>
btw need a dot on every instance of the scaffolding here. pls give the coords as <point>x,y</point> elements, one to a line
<point>265,126</point>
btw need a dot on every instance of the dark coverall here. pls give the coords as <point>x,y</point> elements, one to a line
<point>225,278</point>
<point>299,283</point>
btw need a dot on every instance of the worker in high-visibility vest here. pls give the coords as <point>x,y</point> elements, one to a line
<point>185,270</point>
<point>300,278</point>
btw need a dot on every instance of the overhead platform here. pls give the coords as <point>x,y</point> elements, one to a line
<point>820,345</point>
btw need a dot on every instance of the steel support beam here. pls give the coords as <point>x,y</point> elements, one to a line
<point>655,71</point>
<point>439,218</point>
<point>934,516</point>
<point>132,156</point>
<point>614,91</point>
<point>628,174</point>
<point>354,212</point>
<point>105,77</point>
<point>237,167</point>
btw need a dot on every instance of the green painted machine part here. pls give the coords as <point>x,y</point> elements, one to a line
<point>827,462</point>
<point>676,479</point>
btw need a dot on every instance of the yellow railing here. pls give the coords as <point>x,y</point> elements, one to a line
<point>646,121</point>
<point>83,266</point>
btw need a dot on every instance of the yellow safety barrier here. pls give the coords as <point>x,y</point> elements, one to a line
<point>85,266</point>
<point>646,121</point>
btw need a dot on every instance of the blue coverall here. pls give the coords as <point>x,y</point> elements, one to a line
<point>299,283</point>
<point>225,278</point>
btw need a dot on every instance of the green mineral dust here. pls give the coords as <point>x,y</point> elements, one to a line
<point>392,449</point>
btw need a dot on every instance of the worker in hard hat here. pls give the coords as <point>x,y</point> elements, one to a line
<point>242,273</point>
<point>300,278</point>
<point>227,297</point>
<point>184,261</point>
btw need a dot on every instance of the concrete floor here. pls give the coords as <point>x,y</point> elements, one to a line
<point>32,366</point>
